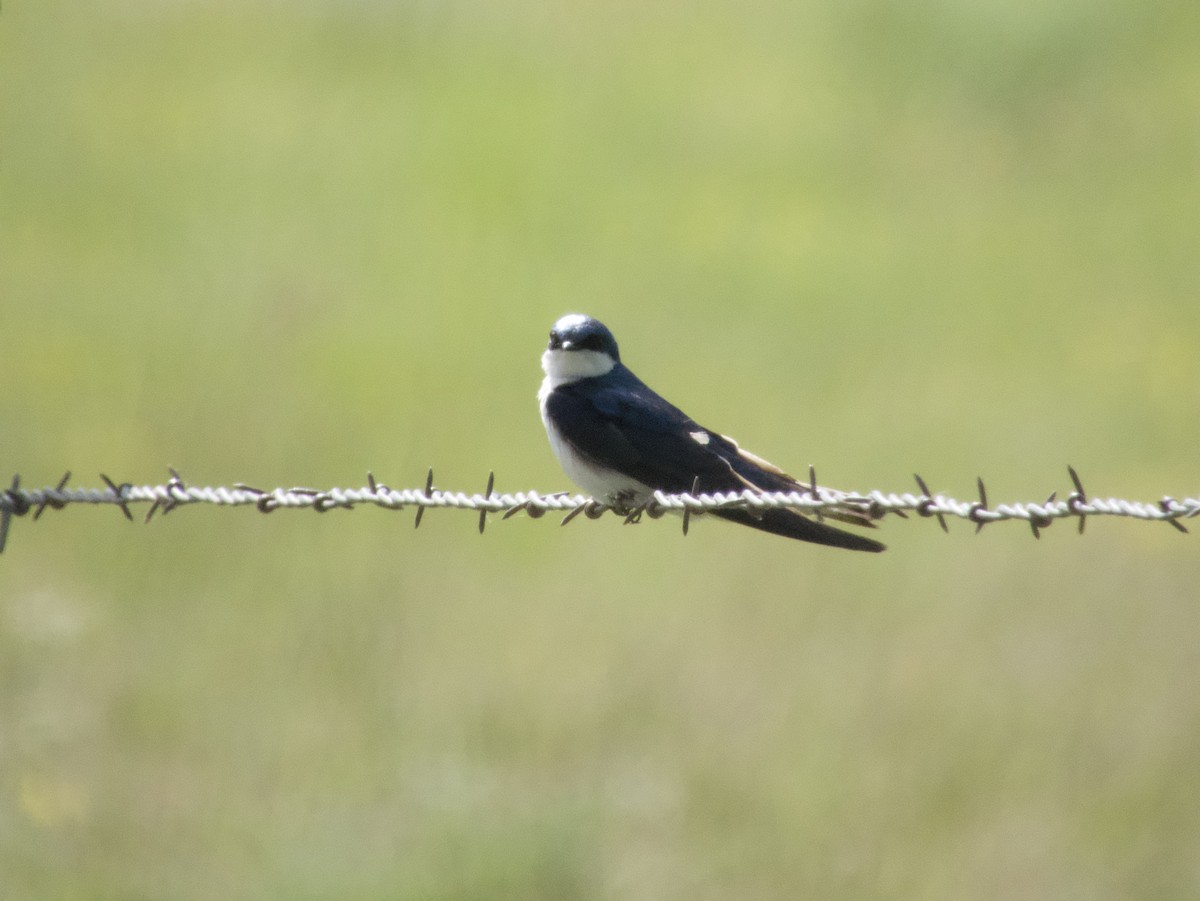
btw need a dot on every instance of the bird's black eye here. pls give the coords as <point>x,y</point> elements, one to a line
<point>555,341</point>
<point>591,342</point>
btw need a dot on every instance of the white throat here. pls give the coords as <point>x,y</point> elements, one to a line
<point>565,366</point>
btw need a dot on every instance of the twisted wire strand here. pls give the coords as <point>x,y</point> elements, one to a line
<point>812,499</point>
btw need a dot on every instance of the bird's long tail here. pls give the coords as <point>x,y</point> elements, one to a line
<point>790,524</point>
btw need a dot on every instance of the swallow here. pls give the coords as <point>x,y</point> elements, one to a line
<point>620,441</point>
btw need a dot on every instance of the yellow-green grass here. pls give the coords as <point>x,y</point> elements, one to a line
<point>285,243</point>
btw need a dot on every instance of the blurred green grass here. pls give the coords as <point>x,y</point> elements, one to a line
<point>284,243</point>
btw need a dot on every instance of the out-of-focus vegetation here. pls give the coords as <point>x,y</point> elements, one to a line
<point>284,243</point>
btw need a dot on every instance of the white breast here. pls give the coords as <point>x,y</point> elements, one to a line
<point>562,368</point>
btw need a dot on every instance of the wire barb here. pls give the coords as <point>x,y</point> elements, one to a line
<point>980,507</point>
<point>168,503</point>
<point>486,495</point>
<point>16,505</point>
<point>812,482</point>
<point>582,508</point>
<point>428,495</point>
<point>1165,506</point>
<point>687,513</point>
<point>1078,498</point>
<point>119,493</point>
<point>925,506</point>
<point>48,501</point>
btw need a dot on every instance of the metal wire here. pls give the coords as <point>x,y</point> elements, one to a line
<point>814,499</point>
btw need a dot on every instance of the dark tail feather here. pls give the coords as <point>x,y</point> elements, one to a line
<point>790,524</point>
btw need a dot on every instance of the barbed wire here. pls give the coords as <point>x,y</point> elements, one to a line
<point>812,498</point>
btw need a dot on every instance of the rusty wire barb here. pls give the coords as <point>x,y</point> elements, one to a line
<point>812,498</point>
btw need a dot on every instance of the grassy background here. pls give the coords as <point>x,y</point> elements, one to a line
<point>287,242</point>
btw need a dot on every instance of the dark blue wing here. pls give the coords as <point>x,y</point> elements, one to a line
<point>619,423</point>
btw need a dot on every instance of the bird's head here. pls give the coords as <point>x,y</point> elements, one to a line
<point>580,347</point>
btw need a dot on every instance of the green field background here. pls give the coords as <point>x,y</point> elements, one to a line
<point>285,243</point>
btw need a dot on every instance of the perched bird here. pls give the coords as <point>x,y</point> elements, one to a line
<point>619,441</point>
